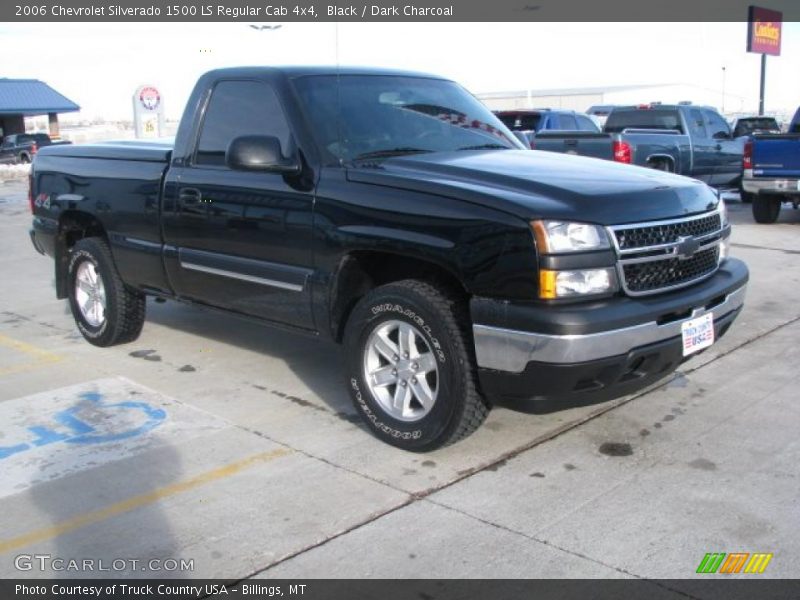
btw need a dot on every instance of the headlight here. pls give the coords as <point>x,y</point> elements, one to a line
<point>581,282</point>
<point>556,237</point>
<point>723,212</point>
<point>724,249</point>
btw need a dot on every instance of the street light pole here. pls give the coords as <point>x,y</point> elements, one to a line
<point>763,84</point>
<point>723,90</point>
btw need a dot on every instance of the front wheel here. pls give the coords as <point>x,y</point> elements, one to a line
<point>105,310</point>
<point>411,368</point>
<point>766,208</point>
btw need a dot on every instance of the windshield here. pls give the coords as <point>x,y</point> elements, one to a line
<point>385,116</point>
<point>621,119</point>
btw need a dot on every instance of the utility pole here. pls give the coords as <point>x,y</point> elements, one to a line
<point>763,84</point>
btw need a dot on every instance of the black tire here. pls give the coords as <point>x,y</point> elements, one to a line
<point>766,208</point>
<point>444,325</point>
<point>24,159</point>
<point>124,308</point>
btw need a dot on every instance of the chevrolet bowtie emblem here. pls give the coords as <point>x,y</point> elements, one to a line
<point>686,247</point>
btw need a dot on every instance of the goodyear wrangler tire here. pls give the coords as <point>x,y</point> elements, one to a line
<point>411,366</point>
<point>106,312</point>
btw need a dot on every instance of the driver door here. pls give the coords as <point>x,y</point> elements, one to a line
<point>239,240</point>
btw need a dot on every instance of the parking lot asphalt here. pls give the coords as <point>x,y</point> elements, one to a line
<point>235,446</point>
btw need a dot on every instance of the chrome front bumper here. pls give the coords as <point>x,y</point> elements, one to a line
<point>511,351</point>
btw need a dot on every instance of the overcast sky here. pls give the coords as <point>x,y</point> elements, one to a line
<point>100,65</point>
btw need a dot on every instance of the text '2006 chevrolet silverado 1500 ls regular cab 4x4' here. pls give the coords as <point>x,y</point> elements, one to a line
<point>394,213</point>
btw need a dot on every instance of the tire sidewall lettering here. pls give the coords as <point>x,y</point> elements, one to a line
<point>375,421</point>
<point>391,307</point>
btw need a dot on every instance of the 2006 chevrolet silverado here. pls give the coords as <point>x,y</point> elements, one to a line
<point>394,213</point>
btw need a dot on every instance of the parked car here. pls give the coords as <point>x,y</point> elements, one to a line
<point>534,121</point>
<point>685,139</point>
<point>21,148</point>
<point>558,131</point>
<point>395,214</point>
<point>746,126</point>
<point>772,172</point>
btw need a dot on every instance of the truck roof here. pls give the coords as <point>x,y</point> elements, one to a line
<point>658,105</point>
<point>535,111</point>
<point>301,71</point>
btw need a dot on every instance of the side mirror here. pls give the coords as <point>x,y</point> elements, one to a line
<point>259,153</point>
<point>721,135</point>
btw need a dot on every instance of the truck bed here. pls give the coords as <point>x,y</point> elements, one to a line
<point>138,150</point>
<point>583,143</point>
<point>120,184</point>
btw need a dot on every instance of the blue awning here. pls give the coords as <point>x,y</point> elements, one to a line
<point>31,97</point>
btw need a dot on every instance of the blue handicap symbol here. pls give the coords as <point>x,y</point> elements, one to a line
<point>78,432</point>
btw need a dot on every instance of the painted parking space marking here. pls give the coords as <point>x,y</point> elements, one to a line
<point>55,433</point>
<point>129,504</point>
<point>23,356</point>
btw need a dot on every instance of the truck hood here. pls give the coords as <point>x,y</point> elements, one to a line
<point>532,184</point>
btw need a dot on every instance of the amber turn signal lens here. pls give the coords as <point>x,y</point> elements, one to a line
<point>547,284</point>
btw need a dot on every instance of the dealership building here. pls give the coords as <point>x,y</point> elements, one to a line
<point>20,98</point>
<point>580,99</point>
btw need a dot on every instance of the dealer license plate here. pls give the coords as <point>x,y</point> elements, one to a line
<point>697,333</point>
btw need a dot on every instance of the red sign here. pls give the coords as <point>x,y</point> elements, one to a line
<point>764,31</point>
<point>150,98</point>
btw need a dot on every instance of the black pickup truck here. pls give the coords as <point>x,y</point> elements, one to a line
<point>394,213</point>
<point>21,148</point>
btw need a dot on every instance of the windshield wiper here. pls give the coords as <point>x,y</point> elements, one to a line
<point>390,153</point>
<point>486,147</point>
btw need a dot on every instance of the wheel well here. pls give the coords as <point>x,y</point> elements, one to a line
<point>360,272</point>
<point>72,226</point>
<point>654,160</point>
<point>75,225</point>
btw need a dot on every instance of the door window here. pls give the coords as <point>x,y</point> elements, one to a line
<point>239,108</point>
<point>567,123</point>
<point>586,124</point>
<point>697,128</point>
<point>717,125</point>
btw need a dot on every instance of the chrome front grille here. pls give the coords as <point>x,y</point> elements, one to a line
<point>663,255</point>
<point>653,235</point>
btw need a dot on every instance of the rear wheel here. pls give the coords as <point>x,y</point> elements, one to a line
<point>411,368</point>
<point>105,310</point>
<point>766,208</point>
<point>24,158</point>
